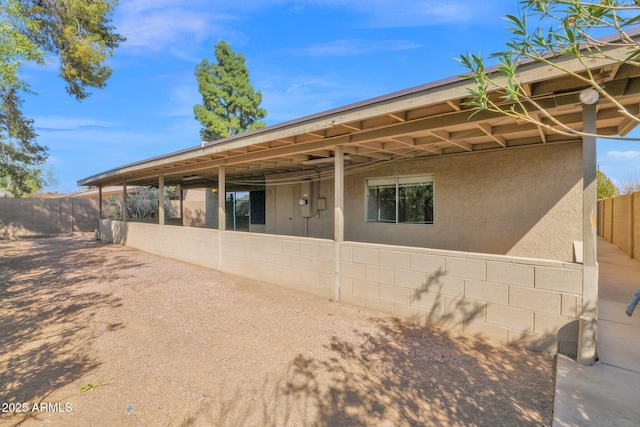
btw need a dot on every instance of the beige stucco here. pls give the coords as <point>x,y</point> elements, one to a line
<point>522,202</point>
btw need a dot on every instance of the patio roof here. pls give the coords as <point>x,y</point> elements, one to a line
<point>420,122</point>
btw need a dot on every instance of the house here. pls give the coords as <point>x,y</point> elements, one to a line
<point>411,205</point>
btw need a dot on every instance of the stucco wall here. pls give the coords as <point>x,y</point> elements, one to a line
<point>35,216</point>
<point>524,202</point>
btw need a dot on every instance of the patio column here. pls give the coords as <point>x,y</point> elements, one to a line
<point>100,201</point>
<point>222,214</point>
<point>124,201</point>
<point>338,233</point>
<point>587,332</point>
<point>161,200</point>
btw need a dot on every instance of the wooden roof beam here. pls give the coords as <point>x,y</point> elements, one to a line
<point>446,137</point>
<point>401,117</point>
<point>488,130</point>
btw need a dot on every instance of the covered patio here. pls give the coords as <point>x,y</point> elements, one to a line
<point>502,245</point>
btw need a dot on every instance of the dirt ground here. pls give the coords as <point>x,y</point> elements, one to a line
<point>158,342</point>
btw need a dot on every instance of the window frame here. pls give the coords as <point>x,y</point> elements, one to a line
<point>397,181</point>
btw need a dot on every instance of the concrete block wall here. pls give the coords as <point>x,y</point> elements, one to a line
<point>512,300</point>
<point>506,299</point>
<point>301,263</point>
<point>36,217</point>
<point>193,245</point>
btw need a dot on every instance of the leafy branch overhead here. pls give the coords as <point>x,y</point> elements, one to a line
<point>575,30</point>
<point>76,33</point>
<point>230,104</point>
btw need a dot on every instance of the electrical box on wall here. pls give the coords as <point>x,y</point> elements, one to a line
<point>322,204</point>
<point>305,199</point>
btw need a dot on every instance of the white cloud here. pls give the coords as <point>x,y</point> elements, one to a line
<point>158,25</point>
<point>630,154</point>
<point>61,123</point>
<point>350,47</point>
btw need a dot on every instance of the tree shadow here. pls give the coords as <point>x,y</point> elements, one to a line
<point>48,305</point>
<point>403,374</point>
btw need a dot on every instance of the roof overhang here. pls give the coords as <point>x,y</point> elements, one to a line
<point>420,122</point>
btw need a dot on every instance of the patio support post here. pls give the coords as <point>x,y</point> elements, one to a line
<point>100,201</point>
<point>161,200</point>
<point>587,331</point>
<point>222,214</point>
<point>124,201</point>
<point>338,234</point>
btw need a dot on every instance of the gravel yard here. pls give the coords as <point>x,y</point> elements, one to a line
<point>156,342</point>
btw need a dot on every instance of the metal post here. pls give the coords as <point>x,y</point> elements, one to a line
<point>587,334</point>
<point>338,233</point>
<point>161,213</point>
<point>222,214</point>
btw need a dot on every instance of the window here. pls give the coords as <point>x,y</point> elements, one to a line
<point>407,200</point>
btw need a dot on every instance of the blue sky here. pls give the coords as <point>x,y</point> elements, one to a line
<point>306,56</point>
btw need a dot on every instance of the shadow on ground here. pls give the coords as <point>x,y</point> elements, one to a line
<point>45,311</point>
<point>405,375</point>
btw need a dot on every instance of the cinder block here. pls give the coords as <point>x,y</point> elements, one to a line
<point>486,331</point>
<point>557,279</point>
<point>379,274</point>
<point>309,249</point>
<point>311,278</point>
<point>394,294</point>
<point>365,256</point>
<point>569,306</point>
<point>301,262</point>
<point>465,309</point>
<point>321,265</point>
<point>544,324</point>
<point>345,253</point>
<point>541,343</point>
<point>497,293</point>
<point>355,271</point>
<point>409,279</point>
<point>410,313</point>
<point>327,252</point>
<point>356,300</point>
<point>466,268</point>
<point>512,318</point>
<point>427,263</point>
<point>451,286</point>
<point>291,247</point>
<point>399,260</point>
<point>511,274</point>
<point>428,302</point>
<point>535,300</point>
<point>379,305</point>
<point>366,289</point>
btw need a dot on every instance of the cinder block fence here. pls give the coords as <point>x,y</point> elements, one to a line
<point>619,222</point>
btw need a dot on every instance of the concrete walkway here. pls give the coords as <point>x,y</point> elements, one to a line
<point>608,393</point>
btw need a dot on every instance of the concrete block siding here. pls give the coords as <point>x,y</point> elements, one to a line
<point>193,245</point>
<point>507,299</point>
<point>295,262</point>
<point>513,300</point>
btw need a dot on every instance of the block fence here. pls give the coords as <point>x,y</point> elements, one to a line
<point>619,222</point>
<point>512,300</point>
<point>38,217</point>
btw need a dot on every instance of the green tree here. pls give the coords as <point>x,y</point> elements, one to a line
<point>573,28</point>
<point>78,33</point>
<point>606,188</point>
<point>230,105</point>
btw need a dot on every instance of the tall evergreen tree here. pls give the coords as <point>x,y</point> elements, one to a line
<point>79,34</point>
<point>230,105</point>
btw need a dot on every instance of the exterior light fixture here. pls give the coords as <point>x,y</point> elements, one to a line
<point>303,200</point>
<point>589,96</point>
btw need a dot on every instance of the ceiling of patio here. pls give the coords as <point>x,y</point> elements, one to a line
<point>426,121</point>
